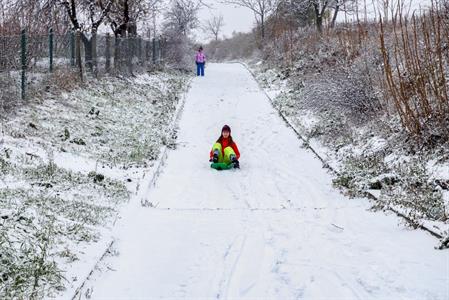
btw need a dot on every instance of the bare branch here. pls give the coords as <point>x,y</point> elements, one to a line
<point>214,26</point>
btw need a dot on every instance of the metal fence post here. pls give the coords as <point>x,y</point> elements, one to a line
<point>147,55</point>
<point>117,53</point>
<point>72,48</point>
<point>159,50</point>
<point>108,53</point>
<point>50,49</point>
<point>163,45</point>
<point>154,51</point>
<point>23,46</point>
<point>139,49</point>
<point>93,44</point>
<point>130,54</point>
<point>79,63</point>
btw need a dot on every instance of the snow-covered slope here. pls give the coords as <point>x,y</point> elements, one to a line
<point>69,161</point>
<point>276,229</point>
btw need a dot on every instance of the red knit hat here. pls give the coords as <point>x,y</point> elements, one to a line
<point>226,128</point>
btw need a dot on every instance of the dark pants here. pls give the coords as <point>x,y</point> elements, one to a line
<point>200,69</point>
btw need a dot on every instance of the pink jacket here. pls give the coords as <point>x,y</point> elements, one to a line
<point>200,57</point>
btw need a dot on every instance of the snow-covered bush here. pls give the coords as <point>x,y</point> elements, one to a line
<point>27,267</point>
<point>48,208</point>
<point>180,18</point>
<point>415,193</point>
<point>179,51</point>
<point>344,91</point>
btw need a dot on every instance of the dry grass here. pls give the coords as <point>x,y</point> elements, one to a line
<point>415,59</point>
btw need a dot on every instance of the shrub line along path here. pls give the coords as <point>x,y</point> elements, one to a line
<point>276,229</point>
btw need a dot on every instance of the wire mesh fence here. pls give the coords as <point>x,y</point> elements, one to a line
<point>27,60</point>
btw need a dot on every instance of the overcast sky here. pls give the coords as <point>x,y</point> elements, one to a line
<point>236,18</point>
<point>241,19</point>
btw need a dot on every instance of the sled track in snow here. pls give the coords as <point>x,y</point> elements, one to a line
<point>230,261</point>
<point>277,231</point>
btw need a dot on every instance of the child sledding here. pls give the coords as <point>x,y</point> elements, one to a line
<point>225,154</point>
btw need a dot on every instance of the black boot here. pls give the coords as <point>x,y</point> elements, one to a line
<point>215,157</point>
<point>235,162</point>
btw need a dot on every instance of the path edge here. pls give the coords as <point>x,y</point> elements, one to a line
<point>444,240</point>
<point>151,174</point>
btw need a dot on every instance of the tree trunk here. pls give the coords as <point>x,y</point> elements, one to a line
<point>319,16</point>
<point>319,23</point>
<point>334,18</point>
<point>93,49</point>
<point>87,52</point>
<point>117,52</point>
<point>88,55</point>
<point>318,19</point>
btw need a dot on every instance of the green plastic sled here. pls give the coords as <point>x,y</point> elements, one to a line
<point>221,166</point>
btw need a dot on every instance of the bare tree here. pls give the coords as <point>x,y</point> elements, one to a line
<point>180,19</point>
<point>34,15</point>
<point>261,9</point>
<point>120,20</point>
<point>150,21</point>
<point>126,14</point>
<point>214,26</point>
<point>319,8</point>
<point>182,16</point>
<point>86,16</point>
<point>395,8</point>
<point>322,8</point>
<point>384,4</point>
<point>343,6</point>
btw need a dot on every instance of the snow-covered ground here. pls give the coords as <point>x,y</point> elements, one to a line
<point>69,161</point>
<point>275,229</point>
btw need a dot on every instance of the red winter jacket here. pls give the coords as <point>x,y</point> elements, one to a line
<point>225,143</point>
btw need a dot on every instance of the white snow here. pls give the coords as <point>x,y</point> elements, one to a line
<point>275,229</point>
<point>51,181</point>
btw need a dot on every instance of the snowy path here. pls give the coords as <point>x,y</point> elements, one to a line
<point>276,229</point>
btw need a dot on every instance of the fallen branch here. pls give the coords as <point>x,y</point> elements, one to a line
<point>444,244</point>
<point>336,226</point>
<point>83,283</point>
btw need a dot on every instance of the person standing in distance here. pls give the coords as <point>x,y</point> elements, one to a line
<point>200,59</point>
